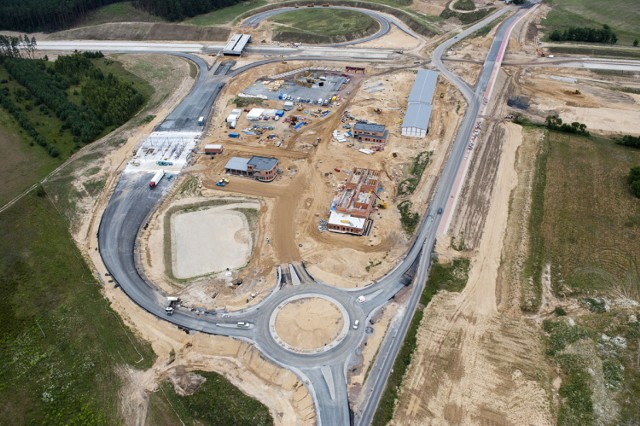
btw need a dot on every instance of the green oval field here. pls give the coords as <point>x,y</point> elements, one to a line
<point>318,25</point>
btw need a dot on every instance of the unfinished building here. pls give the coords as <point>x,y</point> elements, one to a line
<point>351,207</point>
<point>370,132</point>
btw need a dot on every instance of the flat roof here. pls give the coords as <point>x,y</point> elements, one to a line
<point>423,87</point>
<point>213,146</point>
<point>370,127</point>
<point>341,219</point>
<point>237,163</point>
<point>417,115</point>
<point>236,44</point>
<point>262,163</point>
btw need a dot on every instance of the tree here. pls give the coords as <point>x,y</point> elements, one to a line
<point>635,43</point>
<point>633,179</point>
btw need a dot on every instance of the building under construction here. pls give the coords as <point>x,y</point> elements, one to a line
<point>351,207</point>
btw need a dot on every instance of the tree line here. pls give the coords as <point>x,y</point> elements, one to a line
<point>585,34</point>
<point>555,123</point>
<point>15,46</point>
<point>628,140</point>
<point>51,15</point>
<point>104,100</point>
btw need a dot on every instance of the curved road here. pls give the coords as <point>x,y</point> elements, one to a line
<point>324,373</point>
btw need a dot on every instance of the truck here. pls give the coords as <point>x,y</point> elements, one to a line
<point>155,180</point>
<point>201,121</point>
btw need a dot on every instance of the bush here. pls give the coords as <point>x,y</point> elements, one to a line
<point>633,179</point>
<point>559,311</point>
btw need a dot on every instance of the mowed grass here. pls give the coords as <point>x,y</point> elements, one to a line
<point>61,342</point>
<point>215,402</point>
<point>225,15</point>
<point>591,222</point>
<point>623,16</point>
<point>118,12</point>
<point>322,25</point>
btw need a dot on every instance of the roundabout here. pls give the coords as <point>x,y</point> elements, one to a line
<point>309,323</point>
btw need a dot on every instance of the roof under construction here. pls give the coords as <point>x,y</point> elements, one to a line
<point>236,44</point>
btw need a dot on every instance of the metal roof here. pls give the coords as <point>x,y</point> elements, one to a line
<point>424,87</point>
<point>417,115</point>
<point>263,163</point>
<point>237,163</point>
<point>378,128</point>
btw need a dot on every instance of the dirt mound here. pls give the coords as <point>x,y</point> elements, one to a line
<point>186,383</point>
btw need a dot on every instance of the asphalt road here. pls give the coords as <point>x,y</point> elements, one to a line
<point>323,372</point>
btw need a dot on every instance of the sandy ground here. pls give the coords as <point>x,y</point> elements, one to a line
<point>583,96</point>
<point>395,39</point>
<point>309,323</point>
<point>473,364</point>
<point>209,240</point>
<point>300,196</point>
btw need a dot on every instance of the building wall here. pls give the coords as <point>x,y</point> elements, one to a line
<point>345,229</point>
<point>414,132</point>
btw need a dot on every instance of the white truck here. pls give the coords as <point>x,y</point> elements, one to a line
<point>155,180</point>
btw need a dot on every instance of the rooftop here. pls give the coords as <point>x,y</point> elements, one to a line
<point>417,115</point>
<point>262,163</point>
<point>237,163</point>
<point>424,87</point>
<point>370,127</point>
<point>342,219</point>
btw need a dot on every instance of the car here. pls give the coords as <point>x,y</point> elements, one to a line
<point>440,210</point>
<point>356,323</point>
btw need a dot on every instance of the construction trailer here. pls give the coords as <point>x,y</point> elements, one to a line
<point>419,108</point>
<point>235,46</point>
<point>351,207</point>
<point>212,149</point>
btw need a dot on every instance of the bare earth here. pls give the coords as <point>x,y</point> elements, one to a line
<point>473,363</point>
<point>309,323</point>
<point>209,240</point>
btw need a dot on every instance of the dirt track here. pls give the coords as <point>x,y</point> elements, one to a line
<point>473,364</point>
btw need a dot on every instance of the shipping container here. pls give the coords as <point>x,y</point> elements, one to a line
<point>213,149</point>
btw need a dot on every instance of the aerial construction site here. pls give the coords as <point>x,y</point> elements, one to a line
<point>347,225</point>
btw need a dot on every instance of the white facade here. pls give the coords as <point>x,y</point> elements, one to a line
<point>414,132</point>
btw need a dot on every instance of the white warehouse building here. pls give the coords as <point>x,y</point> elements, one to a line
<point>418,115</point>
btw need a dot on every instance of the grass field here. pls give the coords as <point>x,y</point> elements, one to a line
<point>590,226</point>
<point>216,402</point>
<point>24,162</point>
<point>622,16</point>
<point>322,25</point>
<point>60,340</point>
<point>225,15</point>
<point>464,5</point>
<point>118,12</point>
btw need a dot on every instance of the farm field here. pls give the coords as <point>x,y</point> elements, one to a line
<point>621,15</point>
<point>591,222</point>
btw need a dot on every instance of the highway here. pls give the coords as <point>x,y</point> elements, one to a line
<point>325,371</point>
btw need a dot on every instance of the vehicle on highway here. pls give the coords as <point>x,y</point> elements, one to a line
<point>440,210</point>
<point>356,323</point>
<point>168,310</point>
<point>243,324</point>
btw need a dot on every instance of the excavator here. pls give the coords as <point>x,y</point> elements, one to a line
<point>382,204</point>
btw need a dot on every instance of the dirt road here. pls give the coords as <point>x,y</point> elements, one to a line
<point>475,364</point>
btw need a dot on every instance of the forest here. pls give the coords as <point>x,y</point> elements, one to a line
<point>585,34</point>
<point>81,97</point>
<point>51,15</point>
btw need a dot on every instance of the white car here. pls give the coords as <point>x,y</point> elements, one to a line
<point>356,323</point>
